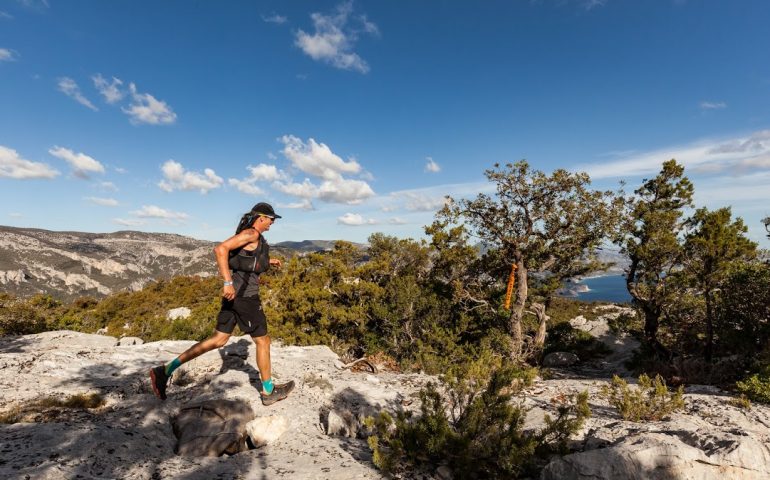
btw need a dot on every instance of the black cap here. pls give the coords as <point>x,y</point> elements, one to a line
<point>266,209</point>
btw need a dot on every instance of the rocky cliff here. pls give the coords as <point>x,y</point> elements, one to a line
<point>72,264</point>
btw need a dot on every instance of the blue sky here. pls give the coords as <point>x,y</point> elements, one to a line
<point>358,117</point>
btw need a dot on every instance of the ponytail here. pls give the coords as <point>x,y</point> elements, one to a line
<point>246,220</point>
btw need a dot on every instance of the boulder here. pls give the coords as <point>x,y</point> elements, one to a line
<point>342,423</point>
<point>560,359</point>
<point>176,313</point>
<point>666,456</point>
<point>212,427</point>
<point>266,430</point>
<point>124,341</point>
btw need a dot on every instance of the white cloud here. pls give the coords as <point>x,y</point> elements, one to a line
<point>7,55</point>
<point>306,189</point>
<point>712,105</point>
<point>417,202</point>
<point>128,222</point>
<point>431,166</point>
<point>302,205</point>
<point>35,4</point>
<point>264,172</point>
<point>105,202</point>
<point>108,186</point>
<point>334,38</point>
<point>244,186</point>
<point>591,4</point>
<point>710,155</point>
<point>70,88</point>
<point>110,90</point>
<point>397,221</point>
<point>179,179</point>
<point>152,211</point>
<point>14,166</point>
<point>15,215</point>
<point>145,108</point>
<point>275,18</point>
<point>316,158</point>
<point>343,190</point>
<point>5,15</point>
<point>81,163</point>
<point>260,173</point>
<point>354,219</point>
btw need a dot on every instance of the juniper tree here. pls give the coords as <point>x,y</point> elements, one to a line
<point>650,236</point>
<point>711,246</point>
<point>537,222</point>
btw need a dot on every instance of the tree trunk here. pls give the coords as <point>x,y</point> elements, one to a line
<point>709,328</point>
<point>651,324</point>
<point>517,312</point>
<point>539,309</point>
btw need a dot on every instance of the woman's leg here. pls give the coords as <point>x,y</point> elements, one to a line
<point>263,356</point>
<point>218,340</point>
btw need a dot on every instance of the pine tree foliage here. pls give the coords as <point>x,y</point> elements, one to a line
<point>485,437</point>
<point>539,223</point>
<point>713,244</point>
<point>650,236</point>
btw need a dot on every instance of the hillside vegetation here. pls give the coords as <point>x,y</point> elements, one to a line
<point>700,287</point>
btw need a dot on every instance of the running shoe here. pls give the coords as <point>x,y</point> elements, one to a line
<point>159,380</point>
<point>280,392</point>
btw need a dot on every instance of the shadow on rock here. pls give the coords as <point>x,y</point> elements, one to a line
<point>130,437</point>
<point>343,418</point>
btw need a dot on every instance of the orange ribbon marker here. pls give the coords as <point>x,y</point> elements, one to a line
<point>511,281</point>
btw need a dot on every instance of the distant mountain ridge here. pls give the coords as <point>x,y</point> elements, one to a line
<point>68,265</point>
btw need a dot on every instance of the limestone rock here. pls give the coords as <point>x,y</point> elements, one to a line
<point>344,424</point>
<point>444,473</point>
<point>266,430</point>
<point>560,359</point>
<point>666,456</point>
<point>176,313</point>
<point>131,436</point>
<point>212,427</point>
<point>125,341</point>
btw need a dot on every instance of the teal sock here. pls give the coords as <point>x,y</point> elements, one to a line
<point>172,365</point>
<point>267,386</point>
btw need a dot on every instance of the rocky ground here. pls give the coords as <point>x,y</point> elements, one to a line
<point>131,435</point>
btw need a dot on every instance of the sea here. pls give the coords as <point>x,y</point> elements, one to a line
<point>606,288</point>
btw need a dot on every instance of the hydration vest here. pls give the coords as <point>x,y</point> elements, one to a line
<point>257,260</point>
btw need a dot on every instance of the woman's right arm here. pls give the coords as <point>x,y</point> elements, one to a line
<point>222,252</point>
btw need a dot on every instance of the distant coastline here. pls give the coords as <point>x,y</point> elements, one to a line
<point>605,286</point>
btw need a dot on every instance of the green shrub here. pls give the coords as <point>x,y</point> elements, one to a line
<point>756,386</point>
<point>565,338</point>
<point>650,401</point>
<point>741,402</point>
<point>20,318</point>
<point>481,436</point>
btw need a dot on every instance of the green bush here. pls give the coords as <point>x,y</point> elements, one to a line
<point>481,437</point>
<point>565,338</point>
<point>756,386</point>
<point>18,317</point>
<point>650,401</point>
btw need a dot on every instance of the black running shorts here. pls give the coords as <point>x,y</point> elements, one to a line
<point>246,312</point>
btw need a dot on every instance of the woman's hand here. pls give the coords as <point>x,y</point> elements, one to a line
<point>275,262</point>
<point>228,292</point>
